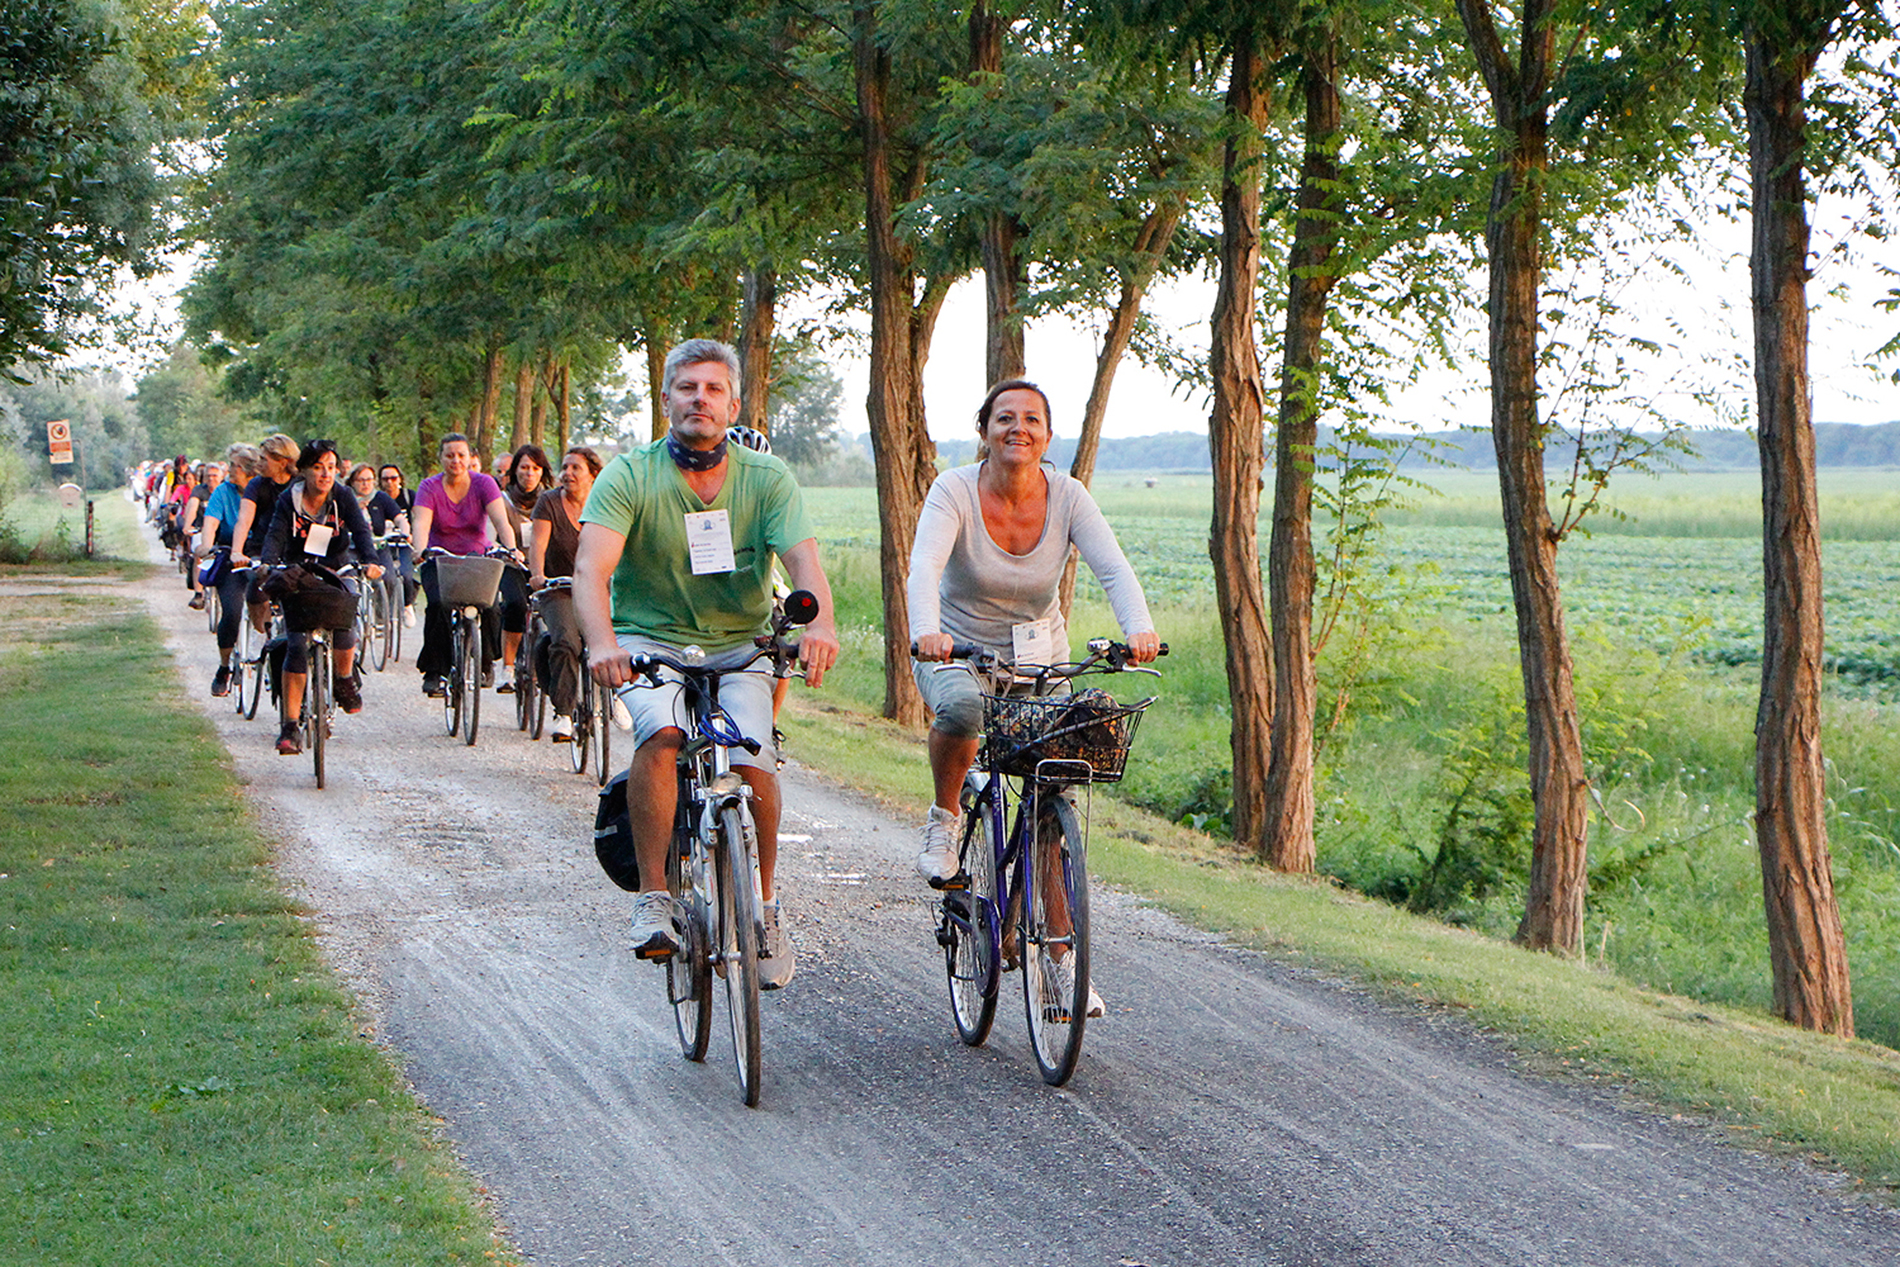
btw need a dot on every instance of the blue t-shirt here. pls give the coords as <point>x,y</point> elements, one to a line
<point>225,502</point>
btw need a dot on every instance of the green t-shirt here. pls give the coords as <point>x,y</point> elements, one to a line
<point>655,593</point>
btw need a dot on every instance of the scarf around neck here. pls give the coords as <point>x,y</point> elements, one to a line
<point>695,459</point>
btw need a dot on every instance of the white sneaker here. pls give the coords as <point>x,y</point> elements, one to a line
<point>777,960</point>
<point>655,926</point>
<point>563,731</point>
<point>1065,978</point>
<point>408,618</point>
<point>937,861</point>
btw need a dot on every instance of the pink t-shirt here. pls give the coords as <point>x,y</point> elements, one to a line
<point>459,526</point>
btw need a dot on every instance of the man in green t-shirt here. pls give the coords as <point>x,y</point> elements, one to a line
<point>676,549</point>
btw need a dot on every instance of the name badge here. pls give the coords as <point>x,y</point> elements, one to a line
<point>1033,642</point>
<point>318,542</point>
<point>709,541</point>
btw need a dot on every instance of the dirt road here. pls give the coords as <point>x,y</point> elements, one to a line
<point>1228,1109</point>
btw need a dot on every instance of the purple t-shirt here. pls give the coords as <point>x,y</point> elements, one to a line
<point>459,526</point>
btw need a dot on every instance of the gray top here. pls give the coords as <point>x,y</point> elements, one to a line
<point>963,584</point>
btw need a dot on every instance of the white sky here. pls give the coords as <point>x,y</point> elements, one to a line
<point>1711,310</point>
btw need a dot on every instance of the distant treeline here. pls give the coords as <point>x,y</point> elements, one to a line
<point>1836,444</point>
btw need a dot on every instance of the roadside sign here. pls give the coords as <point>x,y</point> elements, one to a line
<point>59,442</point>
<point>71,496</point>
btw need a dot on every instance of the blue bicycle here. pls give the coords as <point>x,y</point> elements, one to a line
<point>712,868</point>
<point>1019,821</point>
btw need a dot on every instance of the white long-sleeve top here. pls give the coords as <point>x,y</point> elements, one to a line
<point>963,584</point>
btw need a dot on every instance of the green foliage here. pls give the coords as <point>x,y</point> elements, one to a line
<point>805,398</point>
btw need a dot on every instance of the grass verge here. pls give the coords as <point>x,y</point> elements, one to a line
<point>1832,1100</point>
<point>181,1078</point>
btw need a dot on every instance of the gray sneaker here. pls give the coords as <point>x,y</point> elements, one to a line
<point>777,960</point>
<point>937,860</point>
<point>655,926</point>
<point>1065,977</point>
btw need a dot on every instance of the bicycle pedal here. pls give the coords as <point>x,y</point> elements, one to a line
<point>654,954</point>
<point>958,883</point>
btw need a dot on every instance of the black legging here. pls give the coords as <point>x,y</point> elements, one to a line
<point>437,642</point>
<point>564,651</point>
<point>231,588</point>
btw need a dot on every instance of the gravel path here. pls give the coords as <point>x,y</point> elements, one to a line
<point>1228,1110</point>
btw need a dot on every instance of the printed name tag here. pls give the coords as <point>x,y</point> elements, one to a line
<point>709,541</point>
<point>318,542</point>
<point>1033,642</point>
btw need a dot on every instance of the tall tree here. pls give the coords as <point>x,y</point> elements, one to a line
<point>1236,434</point>
<point>1286,842</point>
<point>89,100</point>
<point>1806,945</point>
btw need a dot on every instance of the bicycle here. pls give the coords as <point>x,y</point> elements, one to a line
<point>531,700</point>
<point>391,545</point>
<point>261,672</point>
<point>593,726</point>
<point>1047,744</point>
<point>318,710</point>
<point>712,866</point>
<point>468,583</point>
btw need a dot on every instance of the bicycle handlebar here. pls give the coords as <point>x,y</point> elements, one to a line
<point>1102,651</point>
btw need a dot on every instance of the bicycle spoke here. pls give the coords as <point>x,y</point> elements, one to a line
<point>1054,941</point>
<point>970,924</point>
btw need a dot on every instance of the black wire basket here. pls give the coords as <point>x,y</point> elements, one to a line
<point>1088,732</point>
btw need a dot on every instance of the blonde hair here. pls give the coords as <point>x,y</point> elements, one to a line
<point>281,446</point>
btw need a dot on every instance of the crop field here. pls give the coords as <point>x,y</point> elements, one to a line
<point>1421,787</point>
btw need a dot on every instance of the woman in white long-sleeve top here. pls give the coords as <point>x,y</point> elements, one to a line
<point>986,568</point>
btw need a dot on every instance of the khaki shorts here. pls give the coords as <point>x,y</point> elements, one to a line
<point>746,697</point>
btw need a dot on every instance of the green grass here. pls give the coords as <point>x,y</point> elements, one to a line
<point>36,527</point>
<point>1773,1085</point>
<point>181,1078</point>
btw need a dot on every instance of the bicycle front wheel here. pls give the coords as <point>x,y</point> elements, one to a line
<point>971,924</point>
<point>738,944</point>
<point>524,682</point>
<point>1055,939</point>
<point>366,630</point>
<point>472,664</point>
<point>379,625</point>
<point>316,704</point>
<point>689,973</point>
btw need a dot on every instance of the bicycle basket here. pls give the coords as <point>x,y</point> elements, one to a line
<point>467,580</point>
<point>318,606</point>
<point>1088,730</point>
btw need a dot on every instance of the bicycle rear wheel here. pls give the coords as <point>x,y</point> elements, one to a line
<point>583,721</point>
<point>240,663</point>
<point>969,931</point>
<point>1056,994</point>
<point>738,942</point>
<point>472,664</point>
<point>316,704</point>
<point>392,616</point>
<point>603,717</point>
<point>689,973</point>
<point>538,721</point>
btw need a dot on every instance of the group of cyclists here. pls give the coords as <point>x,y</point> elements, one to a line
<point>673,547</point>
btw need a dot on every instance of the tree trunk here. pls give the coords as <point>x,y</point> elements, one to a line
<point>561,409</point>
<point>524,403</point>
<point>1003,272</point>
<point>1553,909</point>
<point>656,384</point>
<point>895,407</point>
<point>538,415</point>
<point>1151,247</point>
<point>1806,946</point>
<point>758,318</point>
<point>489,411</point>
<point>1236,438</point>
<point>1288,845</point>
